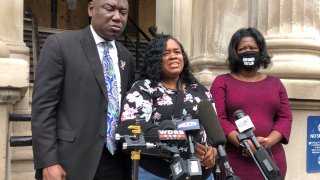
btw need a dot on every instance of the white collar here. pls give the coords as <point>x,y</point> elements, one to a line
<point>98,39</point>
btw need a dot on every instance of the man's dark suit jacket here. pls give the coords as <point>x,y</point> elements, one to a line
<point>70,103</point>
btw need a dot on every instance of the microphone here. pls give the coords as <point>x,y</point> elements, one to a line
<point>245,128</point>
<point>171,138</point>
<point>188,125</point>
<point>243,122</point>
<point>182,130</point>
<point>211,124</point>
<point>191,127</point>
<point>168,133</point>
<point>134,139</point>
<point>267,167</point>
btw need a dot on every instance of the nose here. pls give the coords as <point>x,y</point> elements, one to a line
<point>116,15</point>
<point>172,55</point>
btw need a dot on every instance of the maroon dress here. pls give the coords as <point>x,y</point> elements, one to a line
<point>266,103</point>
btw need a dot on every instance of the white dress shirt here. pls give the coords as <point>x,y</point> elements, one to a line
<point>114,56</point>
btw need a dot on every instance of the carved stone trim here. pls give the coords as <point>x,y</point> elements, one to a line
<point>4,50</point>
<point>298,104</point>
<point>9,96</point>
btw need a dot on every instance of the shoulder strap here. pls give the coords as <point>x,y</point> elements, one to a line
<point>179,103</point>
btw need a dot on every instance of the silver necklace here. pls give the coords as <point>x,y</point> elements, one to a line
<point>253,80</point>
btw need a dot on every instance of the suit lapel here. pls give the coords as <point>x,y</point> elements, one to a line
<point>123,65</point>
<point>91,52</point>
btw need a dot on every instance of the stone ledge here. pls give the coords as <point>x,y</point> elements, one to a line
<point>4,50</point>
<point>302,89</point>
<point>304,104</point>
<point>9,95</point>
<point>14,73</point>
<point>21,154</point>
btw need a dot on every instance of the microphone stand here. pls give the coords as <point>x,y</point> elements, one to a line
<point>217,174</point>
<point>224,160</point>
<point>194,166</point>
<point>136,142</point>
<point>135,155</point>
<point>246,145</point>
<point>262,159</point>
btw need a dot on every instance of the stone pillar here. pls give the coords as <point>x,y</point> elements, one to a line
<point>164,14</point>
<point>13,82</point>
<point>14,70</point>
<point>7,97</point>
<point>293,38</point>
<point>292,31</point>
<point>213,24</point>
<point>11,35</point>
<point>175,18</point>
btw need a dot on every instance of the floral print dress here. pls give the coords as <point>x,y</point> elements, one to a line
<point>156,104</point>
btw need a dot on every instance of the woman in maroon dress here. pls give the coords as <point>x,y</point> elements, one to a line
<point>262,97</point>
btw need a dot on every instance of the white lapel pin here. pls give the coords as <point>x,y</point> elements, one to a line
<point>122,64</point>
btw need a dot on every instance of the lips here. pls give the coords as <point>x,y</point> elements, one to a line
<point>116,28</point>
<point>174,64</point>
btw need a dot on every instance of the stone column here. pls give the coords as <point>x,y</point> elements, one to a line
<point>213,24</point>
<point>8,96</point>
<point>14,71</point>
<point>13,82</point>
<point>292,31</point>
<point>293,38</point>
<point>175,18</point>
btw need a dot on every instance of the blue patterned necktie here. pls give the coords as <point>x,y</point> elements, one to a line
<point>113,97</point>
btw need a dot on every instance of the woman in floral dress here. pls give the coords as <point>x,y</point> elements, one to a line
<point>154,97</point>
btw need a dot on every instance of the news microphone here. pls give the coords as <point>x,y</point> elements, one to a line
<point>171,137</point>
<point>211,124</point>
<point>265,164</point>
<point>245,128</point>
<point>168,133</point>
<point>188,125</point>
<point>192,166</point>
<point>191,127</point>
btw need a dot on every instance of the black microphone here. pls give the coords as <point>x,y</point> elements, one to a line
<point>170,136</point>
<point>266,165</point>
<point>191,127</point>
<point>211,124</point>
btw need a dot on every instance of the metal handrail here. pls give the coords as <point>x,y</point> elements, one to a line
<point>139,29</point>
<point>20,117</point>
<point>137,43</point>
<point>35,38</point>
<point>19,141</point>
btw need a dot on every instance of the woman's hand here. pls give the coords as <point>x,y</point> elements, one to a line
<point>262,141</point>
<point>273,138</point>
<point>206,155</point>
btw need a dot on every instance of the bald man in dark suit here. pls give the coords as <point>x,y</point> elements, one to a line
<point>70,98</point>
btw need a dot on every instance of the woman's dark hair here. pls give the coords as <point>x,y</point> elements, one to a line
<point>234,61</point>
<point>152,67</point>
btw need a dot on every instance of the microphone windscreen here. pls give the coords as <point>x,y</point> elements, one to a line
<point>167,125</point>
<point>238,114</point>
<point>211,124</point>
